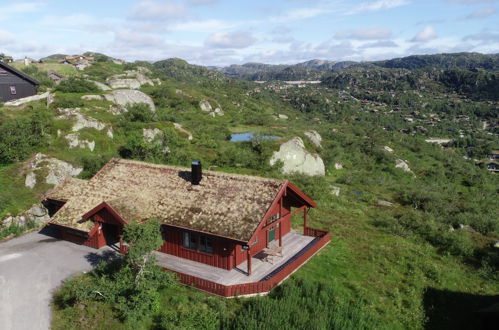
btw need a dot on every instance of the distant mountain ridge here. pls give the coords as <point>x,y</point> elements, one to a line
<point>316,68</point>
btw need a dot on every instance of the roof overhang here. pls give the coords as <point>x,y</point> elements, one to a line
<point>19,73</point>
<point>107,207</point>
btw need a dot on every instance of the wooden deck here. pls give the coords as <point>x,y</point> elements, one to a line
<point>292,243</point>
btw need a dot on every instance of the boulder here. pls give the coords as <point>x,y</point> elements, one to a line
<point>387,148</point>
<point>80,120</point>
<point>338,166</point>
<point>314,137</point>
<point>155,136</point>
<point>218,112</point>
<point>24,100</point>
<point>205,105</point>
<point>74,141</point>
<point>282,116</point>
<point>130,80</point>
<point>150,134</point>
<point>296,159</point>
<point>102,87</point>
<point>37,214</point>
<point>123,97</point>
<point>384,203</point>
<point>30,180</point>
<point>399,163</point>
<point>56,169</point>
<point>335,190</point>
<point>183,130</point>
<point>92,97</point>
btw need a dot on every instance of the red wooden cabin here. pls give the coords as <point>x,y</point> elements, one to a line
<point>212,218</point>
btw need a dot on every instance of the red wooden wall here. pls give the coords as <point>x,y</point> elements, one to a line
<point>222,256</point>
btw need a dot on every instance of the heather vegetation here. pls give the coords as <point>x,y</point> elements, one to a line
<point>425,255</point>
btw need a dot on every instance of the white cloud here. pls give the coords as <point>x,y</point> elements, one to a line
<point>471,2</point>
<point>6,37</point>
<point>207,26</point>
<point>237,39</point>
<point>380,44</point>
<point>18,8</point>
<point>364,33</point>
<point>132,39</point>
<point>426,34</point>
<point>482,13</point>
<point>378,5</point>
<point>300,14</point>
<point>158,10</point>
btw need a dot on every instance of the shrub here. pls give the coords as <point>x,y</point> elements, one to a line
<point>140,112</point>
<point>67,101</point>
<point>77,85</point>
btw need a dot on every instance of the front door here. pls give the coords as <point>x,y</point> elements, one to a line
<point>111,233</point>
<point>271,234</point>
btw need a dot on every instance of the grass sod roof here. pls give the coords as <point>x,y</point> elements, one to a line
<point>222,204</point>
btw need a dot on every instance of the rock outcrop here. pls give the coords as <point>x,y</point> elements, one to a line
<point>314,137</point>
<point>102,87</point>
<point>183,130</point>
<point>131,80</point>
<point>24,100</point>
<point>80,120</point>
<point>205,105</point>
<point>55,169</point>
<point>296,159</point>
<point>123,97</point>
<point>399,163</point>
<point>74,141</point>
<point>155,136</point>
<point>37,214</point>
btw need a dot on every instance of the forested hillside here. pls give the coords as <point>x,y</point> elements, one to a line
<point>414,223</point>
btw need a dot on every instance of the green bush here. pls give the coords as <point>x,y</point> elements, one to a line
<point>140,112</point>
<point>77,85</point>
<point>302,305</point>
<point>67,101</point>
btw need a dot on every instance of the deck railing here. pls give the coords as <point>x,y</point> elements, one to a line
<point>322,238</point>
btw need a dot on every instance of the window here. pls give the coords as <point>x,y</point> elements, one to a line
<point>206,244</point>
<point>274,217</point>
<point>13,90</point>
<point>197,242</point>
<point>190,241</point>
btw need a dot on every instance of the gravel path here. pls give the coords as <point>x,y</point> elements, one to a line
<point>31,268</point>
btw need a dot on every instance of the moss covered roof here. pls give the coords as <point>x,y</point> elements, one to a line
<point>223,204</point>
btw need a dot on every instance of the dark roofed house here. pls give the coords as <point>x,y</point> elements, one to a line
<point>15,84</point>
<point>226,234</point>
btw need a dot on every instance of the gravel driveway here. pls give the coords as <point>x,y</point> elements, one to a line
<point>31,268</point>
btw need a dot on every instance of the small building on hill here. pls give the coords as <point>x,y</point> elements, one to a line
<point>15,84</point>
<point>227,234</point>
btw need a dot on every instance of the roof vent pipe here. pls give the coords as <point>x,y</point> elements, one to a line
<point>196,173</point>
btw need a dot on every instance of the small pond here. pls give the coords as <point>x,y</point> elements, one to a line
<point>236,137</point>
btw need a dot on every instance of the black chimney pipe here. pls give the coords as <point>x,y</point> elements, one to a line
<point>196,172</point>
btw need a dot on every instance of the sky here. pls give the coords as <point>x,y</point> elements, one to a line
<point>224,32</point>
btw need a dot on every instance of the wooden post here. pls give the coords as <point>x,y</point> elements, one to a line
<point>305,220</point>
<point>280,233</point>
<point>249,261</point>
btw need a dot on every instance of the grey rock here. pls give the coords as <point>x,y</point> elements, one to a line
<point>205,105</point>
<point>183,130</point>
<point>296,159</point>
<point>384,203</point>
<point>314,137</point>
<point>388,149</point>
<point>101,86</point>
<point>93,97</point>
<point>399,163</point>
<point>338,166</point>
<point>74,141</point>
<point>80,120</point>
<point>218,112</point>
<point>123,97</point>
<point>57,169</point>
<point>150,134</point>
<point>335,190</point>
<point>282,116</point>
<point>24,100</point>
<point>130,80</point>
<point>30,180</point>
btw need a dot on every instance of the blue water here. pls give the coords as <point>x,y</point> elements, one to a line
<point>249,135</point>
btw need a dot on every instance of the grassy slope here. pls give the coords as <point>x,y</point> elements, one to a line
<point>392,274</point>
